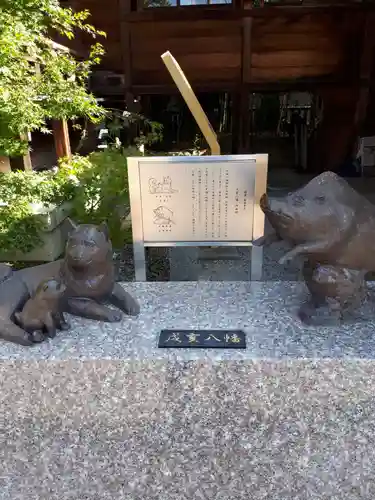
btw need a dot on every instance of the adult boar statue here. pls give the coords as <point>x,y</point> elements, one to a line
<point>332,227</point>
<point>86,275</point>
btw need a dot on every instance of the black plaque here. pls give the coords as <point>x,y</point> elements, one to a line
<point>202,339</point>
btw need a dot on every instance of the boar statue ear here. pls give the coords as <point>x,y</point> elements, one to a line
<point>103,228</point>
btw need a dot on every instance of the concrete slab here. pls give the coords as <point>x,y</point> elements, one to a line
<point>127,430</point>
<point>100,413</point>
<point>266,311</point>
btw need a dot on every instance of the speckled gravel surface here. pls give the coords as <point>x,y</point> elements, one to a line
<point>266,311</point>
<point>156,430</point>
<point>157,264</point>
<point>100,413</point>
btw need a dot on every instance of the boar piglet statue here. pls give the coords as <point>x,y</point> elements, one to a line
<point>332,227</point>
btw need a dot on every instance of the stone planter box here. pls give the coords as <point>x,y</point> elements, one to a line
<point>54,236</point>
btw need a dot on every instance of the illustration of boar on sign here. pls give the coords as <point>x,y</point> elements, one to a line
<point>333,228</point>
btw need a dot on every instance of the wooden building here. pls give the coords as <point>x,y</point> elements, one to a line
<point>246,46</point>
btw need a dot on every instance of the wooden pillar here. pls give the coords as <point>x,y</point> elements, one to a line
<point>26,159</point>
<point>335,133</point>
<point>365,72</point>
<point>61,137</point>
<point>126,57</point>
<point>27,163</point>
<point>5,164</point>
<point>240,101</point>
<point>146,105</point>
<point>236,117</point>
<point>246,119</point>
<point>133,107</point>
<point>240,121</point>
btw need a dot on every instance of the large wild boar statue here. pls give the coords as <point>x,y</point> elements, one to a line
<point>333,228</point>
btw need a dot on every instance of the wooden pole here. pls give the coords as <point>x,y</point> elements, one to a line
<point>61,137</point>
<point>192,102</point>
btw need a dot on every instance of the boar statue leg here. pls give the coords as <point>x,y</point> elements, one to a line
<point>266,240</point>
<point>90,309</point>
<point>124,301</point>
<point>310,248</point>
<point>334,291</point>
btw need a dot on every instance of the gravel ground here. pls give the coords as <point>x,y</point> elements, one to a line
<point>157,264</point>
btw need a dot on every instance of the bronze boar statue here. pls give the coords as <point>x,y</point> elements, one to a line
<point>43,312</point>
<point>332,227</point>
<point>87,273</point>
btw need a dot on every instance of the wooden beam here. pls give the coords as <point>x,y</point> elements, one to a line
<point>201,12</point>
<point>165,89</point>
<point>303,85</point>
<point>61,138</point>
<point>192,102</point>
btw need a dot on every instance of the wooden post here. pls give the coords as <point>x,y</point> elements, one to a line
<point>241,112</point>
<point>247,28</point>
<point>5,164</point>
<point>27,163</point>
<point>192,102</point>
<point>126,43</point>
<point>366,69</point>
<point>61,137</point>
<point>26,159</point>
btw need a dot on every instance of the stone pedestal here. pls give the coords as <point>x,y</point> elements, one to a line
<point>101,413</point>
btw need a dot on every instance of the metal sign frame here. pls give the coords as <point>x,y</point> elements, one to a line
<point>260,161</point>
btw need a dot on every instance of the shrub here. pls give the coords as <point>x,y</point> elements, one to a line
<point>22,195</point>
<point>97,185</point>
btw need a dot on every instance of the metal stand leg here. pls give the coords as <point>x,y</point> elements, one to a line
<point>256,263</point>
<point>139,261</point>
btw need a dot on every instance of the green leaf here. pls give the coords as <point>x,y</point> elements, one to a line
<point>28,98</point>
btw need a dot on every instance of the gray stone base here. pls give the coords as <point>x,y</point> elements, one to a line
<point>99,413</point>
<point>126,430</point>
<point>267,311</point>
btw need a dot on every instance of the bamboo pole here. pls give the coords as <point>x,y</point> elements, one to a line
<point>192,102</point>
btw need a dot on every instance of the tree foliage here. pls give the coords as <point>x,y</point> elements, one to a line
<point>29,97</point>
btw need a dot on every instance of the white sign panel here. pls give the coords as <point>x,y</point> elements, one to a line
<point>187,200</point>
<point>197,201</point>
